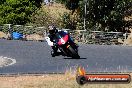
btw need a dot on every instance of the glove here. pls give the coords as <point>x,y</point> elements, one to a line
<point>54,43</point>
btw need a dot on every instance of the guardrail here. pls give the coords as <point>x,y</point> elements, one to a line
<point>82,36</point>
<point>99,37</point>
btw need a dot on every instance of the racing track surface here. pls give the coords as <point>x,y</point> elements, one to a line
<point>34,57</point>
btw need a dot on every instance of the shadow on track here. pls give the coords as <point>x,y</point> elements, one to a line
<point>60,54</point>
<point>73,58</point>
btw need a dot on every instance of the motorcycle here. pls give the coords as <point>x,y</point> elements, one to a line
<point>65,44</point>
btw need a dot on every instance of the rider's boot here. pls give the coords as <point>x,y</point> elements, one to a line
<point>53,54</point>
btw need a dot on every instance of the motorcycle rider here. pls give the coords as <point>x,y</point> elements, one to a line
<point>52,35</point>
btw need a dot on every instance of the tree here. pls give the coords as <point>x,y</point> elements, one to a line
<point>61,1</point>
<point>2,1</point>
<point>42,18</point>
<point>70,4</point>
<point>106,13</point>
<point>67,22</point>
<point>17,11</point>
<point>70,20</point>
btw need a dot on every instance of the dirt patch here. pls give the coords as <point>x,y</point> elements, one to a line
<point>35,37</point>
<point>3,35</point>
<point>51,81</point>
<point>127,41</point>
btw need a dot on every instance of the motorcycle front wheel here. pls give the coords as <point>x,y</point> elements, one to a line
<point>73,53</point>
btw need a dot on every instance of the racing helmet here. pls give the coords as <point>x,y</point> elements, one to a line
<point>52,30</point>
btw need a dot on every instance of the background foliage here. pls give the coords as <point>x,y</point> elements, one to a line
<point>104,15</point>
<point>17,11</point>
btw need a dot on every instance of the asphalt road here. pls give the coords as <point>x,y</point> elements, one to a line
<point>34,57</point>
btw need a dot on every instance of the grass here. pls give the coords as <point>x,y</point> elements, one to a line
<point>66,80</point>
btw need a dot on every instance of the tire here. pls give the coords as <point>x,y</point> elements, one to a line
<point>81,80</point>
<point>63,51</point>
<point>73,53</point>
